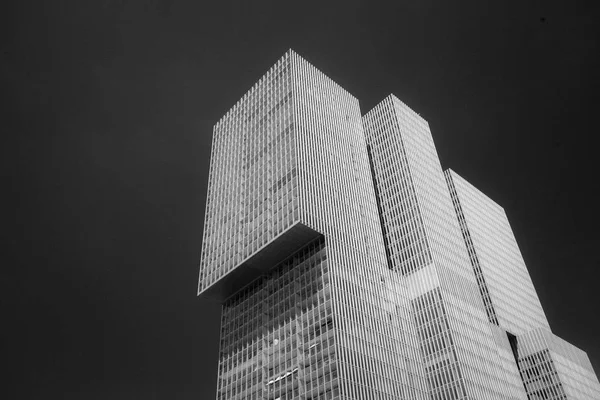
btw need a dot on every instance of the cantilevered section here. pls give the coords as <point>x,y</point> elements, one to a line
<point>266,258</point>
<point>252,195</point>
<point>348,266</point>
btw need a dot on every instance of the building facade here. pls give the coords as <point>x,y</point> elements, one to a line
<point>333,242</point>
<point>495,257</point>
<point>427,250</point>
<point>550,367</point>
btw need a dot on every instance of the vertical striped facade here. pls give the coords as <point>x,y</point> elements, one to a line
<point>554,369</point>
<point>331,241</point>
<point>464,356</point>
<point>376,345</point>
<point>550,367</point>
<point>496,258</point>
<point>252,194</point>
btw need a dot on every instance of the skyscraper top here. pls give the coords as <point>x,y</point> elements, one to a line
<point>350,266</point>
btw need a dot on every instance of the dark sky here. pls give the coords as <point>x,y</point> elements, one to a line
<point>109,107</point>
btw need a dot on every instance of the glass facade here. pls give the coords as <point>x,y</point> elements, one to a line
<point>555,369</point>
<point>332,243</point>
<point>550,367</point>
<point>426,248</point>
<point>502,275</point>
<point>253,186</point>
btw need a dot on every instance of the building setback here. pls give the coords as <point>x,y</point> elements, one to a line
<point>550,367</point>
<point>350,266</point>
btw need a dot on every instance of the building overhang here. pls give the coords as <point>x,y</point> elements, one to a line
<point>262,261</point>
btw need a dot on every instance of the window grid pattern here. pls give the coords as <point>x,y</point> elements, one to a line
<point>507,285</point>
<point>482,362</point>
<point>552,368</point>
<point>483,289</point>
<point>386,303</point>
<point>253,188</point>
<point>376,344</point>
<point>371,350</point>
<point>402,224</point>
<point>277,339</point>
<point>540,377</point>
<point>437,349</point>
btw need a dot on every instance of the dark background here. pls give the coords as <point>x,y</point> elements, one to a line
<point>107,120</point>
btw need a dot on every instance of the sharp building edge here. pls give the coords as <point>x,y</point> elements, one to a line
<point>349,265</point>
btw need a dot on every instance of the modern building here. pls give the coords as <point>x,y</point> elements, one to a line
<point>350,266</point>
<point>550,367</point>
<point>426,248</point>
<point>555,369</point>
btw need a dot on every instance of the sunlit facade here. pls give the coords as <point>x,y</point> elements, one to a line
<point>332,243</point>
<point>293,250</point>
<point>464,355</point>
<point>509,296</point>
<point>555,369</point>
<point>550,367</point>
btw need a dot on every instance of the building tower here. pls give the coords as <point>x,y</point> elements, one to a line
<point>293,249</point>
<point>465,356</point>
<point>550,367</point>
<point>332,243</point>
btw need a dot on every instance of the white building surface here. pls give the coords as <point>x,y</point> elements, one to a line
<point>350,266</point>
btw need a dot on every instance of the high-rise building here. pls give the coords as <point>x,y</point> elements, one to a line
<point>346,267</point>
<point>465,356</point>
<point>550,367</point>
<point>495,257</point>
